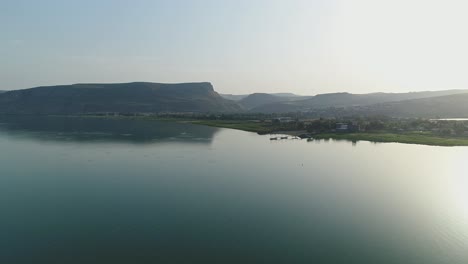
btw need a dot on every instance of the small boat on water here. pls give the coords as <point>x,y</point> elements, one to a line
<point>274,138</point>
<point>284,137</point>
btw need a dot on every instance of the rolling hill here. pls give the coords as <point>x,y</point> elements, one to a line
<point>144,97</point>
<point>258,99</point>
<point>238,97</point>
<point>122,97</point>
<point>449,106</point>
<point>234,97</point>
<point>323,101</point>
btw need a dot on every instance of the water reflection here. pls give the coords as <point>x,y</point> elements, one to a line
<point>94,130</point>
<point>353,142</point>
<point>241,199</point>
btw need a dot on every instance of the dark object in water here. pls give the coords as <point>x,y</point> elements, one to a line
<point>302,136</point>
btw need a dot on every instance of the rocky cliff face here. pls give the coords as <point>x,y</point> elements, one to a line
<point>122,97</point>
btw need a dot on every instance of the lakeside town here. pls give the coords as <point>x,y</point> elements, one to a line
<point>440,132</point>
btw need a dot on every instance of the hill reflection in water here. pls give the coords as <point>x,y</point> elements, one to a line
<point>78,129</point>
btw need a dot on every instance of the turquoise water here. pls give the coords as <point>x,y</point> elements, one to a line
<point>120,191</point>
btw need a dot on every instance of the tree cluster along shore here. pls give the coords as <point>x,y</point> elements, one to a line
<point>375,129</point>
<point>422,138</point>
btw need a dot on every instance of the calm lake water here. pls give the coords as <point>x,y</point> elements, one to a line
<point>120,191</point>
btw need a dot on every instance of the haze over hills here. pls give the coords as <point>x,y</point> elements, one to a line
<point>238,97</point>
<point>234,97</point>
<point>448,106</point>
<point>322,101</point>
<point>122,97</point>
<point>144,97</point>
<point>258,99</point>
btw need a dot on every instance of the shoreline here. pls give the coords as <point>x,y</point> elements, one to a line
<point>415,139</point>
<point>264,128</point>
<point>377,137</point>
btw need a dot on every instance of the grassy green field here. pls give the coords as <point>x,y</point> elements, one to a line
<point>411,138</point>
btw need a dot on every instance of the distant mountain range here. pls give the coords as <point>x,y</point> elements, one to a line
<point>123,97</point>
<point>322,101</point>
<point>448,106</point>
<point>255,100</point>
<point>144,97</point>
<point>238,97</point>
<point>234,97</point>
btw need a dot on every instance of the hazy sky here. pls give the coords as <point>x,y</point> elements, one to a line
<point>241,46</point>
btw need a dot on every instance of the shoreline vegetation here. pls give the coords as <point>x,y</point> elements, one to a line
<point>380,135</point>
<point>413,138</point>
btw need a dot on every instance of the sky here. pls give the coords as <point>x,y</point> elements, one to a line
<point>242,46</point>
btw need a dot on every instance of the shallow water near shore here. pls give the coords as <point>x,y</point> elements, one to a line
<point>93,190</point>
